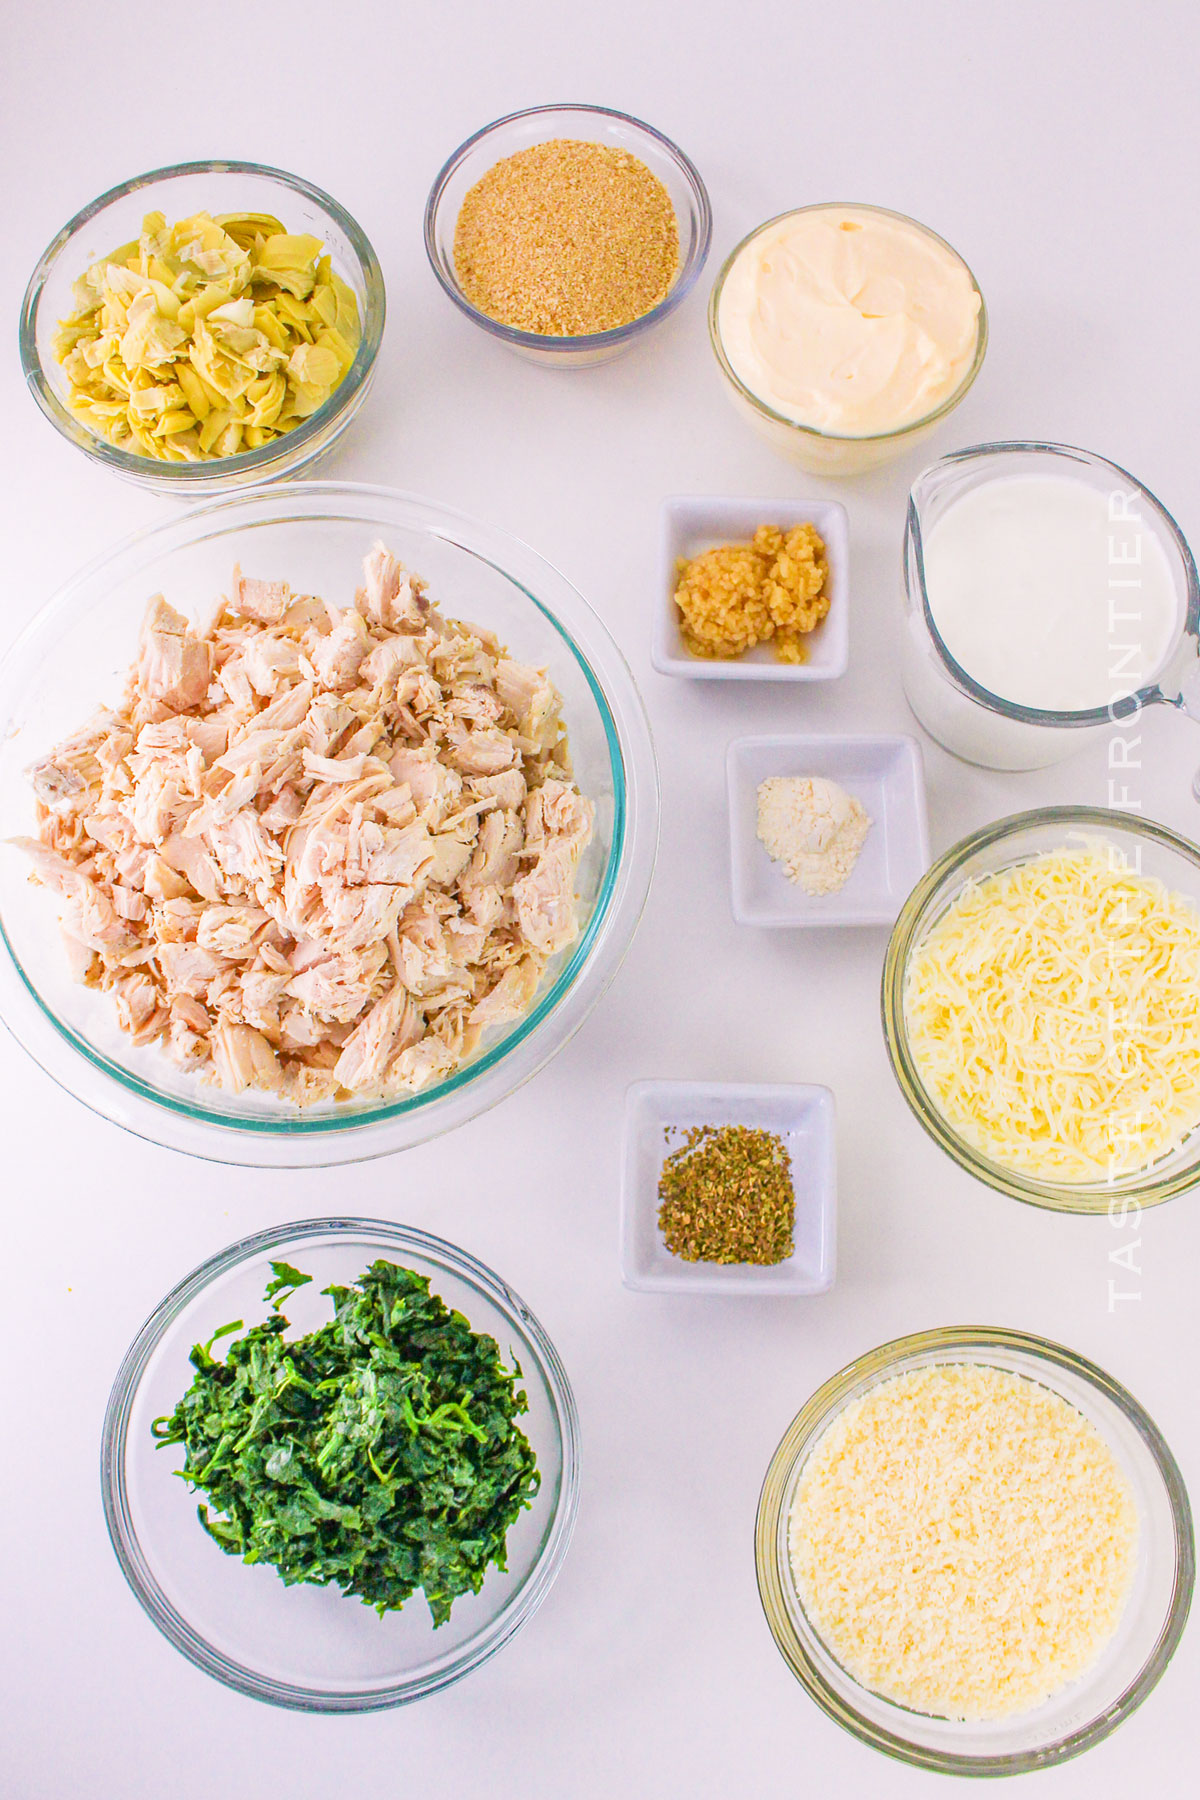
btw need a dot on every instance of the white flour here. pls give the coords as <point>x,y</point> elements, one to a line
<point>813,827</point>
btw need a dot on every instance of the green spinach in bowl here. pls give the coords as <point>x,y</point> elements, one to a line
<point>380,1452</point>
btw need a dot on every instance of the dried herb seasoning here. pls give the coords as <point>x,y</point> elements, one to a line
<point>379,1452</point>
<point>726,1196</point>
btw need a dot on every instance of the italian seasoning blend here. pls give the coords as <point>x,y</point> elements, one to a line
<point>567,238</point>
<point>726,1196</point>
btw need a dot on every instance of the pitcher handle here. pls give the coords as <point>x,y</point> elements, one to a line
<point>1179,686</point>
<point>1189,698</point>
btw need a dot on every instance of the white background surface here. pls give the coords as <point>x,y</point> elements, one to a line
<point>1054,145</point>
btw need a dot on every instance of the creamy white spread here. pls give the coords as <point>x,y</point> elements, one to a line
<point>849,320</point>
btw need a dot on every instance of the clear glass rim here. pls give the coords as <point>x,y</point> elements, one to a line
<point>115,1493</point>
<point>247,462</point>
<point>914,572</point>
<point>875,1365</point>
<point>684,281</point>
<point>814,431</point>
<point>369,1131</point>
<point>1087,1198</point>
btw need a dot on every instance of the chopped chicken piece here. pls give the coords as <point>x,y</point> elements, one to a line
<point>243,1058</point>
<point>392,1024</point>
<point>74,769</point>
<point>530,699</point>
<point>449,858</point>
<point>545,900</point>
<point>507,790</point>
<point>416,1066</point>
<point>511,996</point>
<point>501,837</point>
<point>336,655</point>
<point>266,601</point>
<point>483,752</point>
<point>173,666</point>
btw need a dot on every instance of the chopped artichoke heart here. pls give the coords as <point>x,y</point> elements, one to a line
<point>311,366</point>
<point>178,419</point>
<point>207,336</point>
<point>235,312</point>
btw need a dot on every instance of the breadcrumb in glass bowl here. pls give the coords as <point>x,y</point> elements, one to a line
<point>593,124</point>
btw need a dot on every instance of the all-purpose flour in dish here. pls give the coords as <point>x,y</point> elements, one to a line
<point>813,827</point>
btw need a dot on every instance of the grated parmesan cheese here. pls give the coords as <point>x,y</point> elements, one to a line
<point>1053,1014</point>
<point>963,1540</point>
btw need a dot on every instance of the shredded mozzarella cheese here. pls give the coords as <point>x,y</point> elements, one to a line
<point>1053,1014</point>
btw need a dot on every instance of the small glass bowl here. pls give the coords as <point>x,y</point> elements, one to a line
<point>825,452</point>
<point>594,124</point>
<point>314,535</point>
<point>179,191</point>
<point>1150,1627</point>
<point>307,1647</point>
<point>1151,849</point>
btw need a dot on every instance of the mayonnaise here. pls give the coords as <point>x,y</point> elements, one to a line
<point>852,321</point>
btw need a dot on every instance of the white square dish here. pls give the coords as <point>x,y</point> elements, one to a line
<point>803,1116</point>
<point>887,774</point>
<point>695,522</point>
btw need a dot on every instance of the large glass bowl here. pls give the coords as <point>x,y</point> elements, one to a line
<point>179,191</point>
<point>828,452</point>
<point>308,1647</point>
<point>593,124</point>
<point>1150,1627</point>
<point>1149,848</point>
<point>74,656</point>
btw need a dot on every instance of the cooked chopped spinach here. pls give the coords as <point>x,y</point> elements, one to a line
<point>380,1452</point>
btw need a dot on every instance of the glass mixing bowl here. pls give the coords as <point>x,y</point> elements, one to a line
<point>593,124</point>
<point>1149,848</point>
<point>179,191</point>
<point>74,656</point>
<point>308,1647</point>
<point>1150,1627</point>
<point>827,452</point>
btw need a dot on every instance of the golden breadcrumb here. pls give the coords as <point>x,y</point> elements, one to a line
<point>567,238</point>
<point>739,595</point>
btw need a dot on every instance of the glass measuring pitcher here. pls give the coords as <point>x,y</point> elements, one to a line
<point>986,728</point>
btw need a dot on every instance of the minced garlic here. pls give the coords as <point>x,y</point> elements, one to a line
<point>963,1540</point>
<point>738,595</point>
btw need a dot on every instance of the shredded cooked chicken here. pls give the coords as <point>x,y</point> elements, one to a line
<point>318,851</point>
